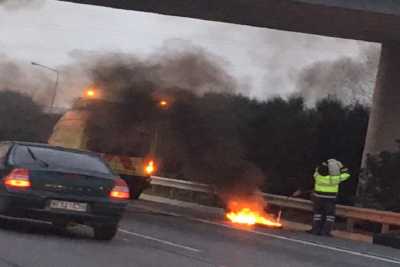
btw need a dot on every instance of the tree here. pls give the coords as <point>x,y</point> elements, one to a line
<point>383,190</point>
<point>22,119</point>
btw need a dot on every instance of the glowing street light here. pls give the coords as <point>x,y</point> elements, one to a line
<point>163,103</point>
<point>90,93</point>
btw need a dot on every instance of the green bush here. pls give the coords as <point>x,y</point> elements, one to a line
<point>383,189</point>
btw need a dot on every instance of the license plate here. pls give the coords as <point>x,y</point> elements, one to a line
<point>67,205</point>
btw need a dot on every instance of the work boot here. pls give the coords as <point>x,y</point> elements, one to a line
<point>316,225</point>
<point>327,227</point>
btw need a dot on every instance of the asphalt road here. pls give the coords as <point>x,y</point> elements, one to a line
<point>160,235</point>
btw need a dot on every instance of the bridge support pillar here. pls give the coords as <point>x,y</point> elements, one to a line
<point>384,123</point>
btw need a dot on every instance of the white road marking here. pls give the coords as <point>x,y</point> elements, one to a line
<point>308,243</point>
<point>294,240</point>
<point>165,242</point>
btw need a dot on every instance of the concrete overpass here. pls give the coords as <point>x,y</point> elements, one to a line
<point>368,20</point>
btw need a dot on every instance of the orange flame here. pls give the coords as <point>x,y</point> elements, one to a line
<point>248,217</point>
<point>150,167</point>
<point>250,213</point>
<point>90,93</point>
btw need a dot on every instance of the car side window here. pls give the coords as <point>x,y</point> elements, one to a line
<point>4,148</point>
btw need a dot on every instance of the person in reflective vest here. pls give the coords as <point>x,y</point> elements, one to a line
<point>327,177</point>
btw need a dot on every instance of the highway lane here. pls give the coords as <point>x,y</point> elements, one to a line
<point>41,245</point>
<point>178,237</point>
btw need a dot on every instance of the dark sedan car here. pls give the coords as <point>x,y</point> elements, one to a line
<point>61,186</point>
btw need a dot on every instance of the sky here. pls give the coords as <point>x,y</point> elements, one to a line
<point>55,33</point>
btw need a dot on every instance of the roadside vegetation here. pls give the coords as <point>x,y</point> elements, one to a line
<point>22,119</point>
<point>383,190</point>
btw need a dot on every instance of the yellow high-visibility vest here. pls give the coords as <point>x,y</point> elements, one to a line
<point>329,184</point>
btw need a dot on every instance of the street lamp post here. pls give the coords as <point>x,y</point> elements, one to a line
<point>164,105</point>
<point>55,85</point>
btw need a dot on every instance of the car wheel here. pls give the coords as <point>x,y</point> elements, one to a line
<point>136,194</point>
<point>105,232</point>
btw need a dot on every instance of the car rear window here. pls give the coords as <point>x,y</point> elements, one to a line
<point>54,158</point>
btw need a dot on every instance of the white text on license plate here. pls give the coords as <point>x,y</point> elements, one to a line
<point>67,205</point>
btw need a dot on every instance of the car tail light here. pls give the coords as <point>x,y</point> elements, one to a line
<point>18,179</point>
<point>120,190</point>
<point>150,167</point>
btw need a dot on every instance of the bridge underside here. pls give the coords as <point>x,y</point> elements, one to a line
<point>346,19</point>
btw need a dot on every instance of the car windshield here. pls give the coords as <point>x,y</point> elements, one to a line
<point>54,158</point>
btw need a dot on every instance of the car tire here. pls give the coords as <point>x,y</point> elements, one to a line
<point>136,194</point>
<point>105,232</point>
<point>4,205</point>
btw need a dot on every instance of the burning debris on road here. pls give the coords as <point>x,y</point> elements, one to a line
<point>251,211</point>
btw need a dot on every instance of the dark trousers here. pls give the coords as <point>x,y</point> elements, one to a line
<point>324,215</point>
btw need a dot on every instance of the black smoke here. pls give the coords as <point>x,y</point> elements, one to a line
<point>198,132</point>
<point>349,79</point>
<point>24,78</point>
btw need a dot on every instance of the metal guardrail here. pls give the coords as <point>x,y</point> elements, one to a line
<point>181,184</point>
<point>351,214</point>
